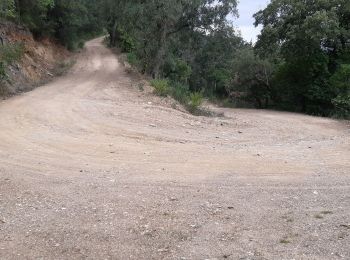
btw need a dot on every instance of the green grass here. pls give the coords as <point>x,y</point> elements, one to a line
<point>196,100</point>
<point>161,87</point>
<point>180,92</point>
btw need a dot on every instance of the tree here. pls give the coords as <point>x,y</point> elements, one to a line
<point>311,37</point>
<point>252,78</point>
<point>156,25</point>
<point>341,83</point>
<point>7,9</point>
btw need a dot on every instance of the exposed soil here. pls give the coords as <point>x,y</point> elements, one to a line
<point>42,60</point>
<point>91,167</point>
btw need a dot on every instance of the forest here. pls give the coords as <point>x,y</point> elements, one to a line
<point>300,63</point>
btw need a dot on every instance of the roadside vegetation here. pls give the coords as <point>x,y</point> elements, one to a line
<point>9,54</point>
<point>301,61</point>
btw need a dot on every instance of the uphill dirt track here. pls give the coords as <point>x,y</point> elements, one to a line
<point>92,167</point>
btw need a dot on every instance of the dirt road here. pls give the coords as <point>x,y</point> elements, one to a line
<point>91,167</point>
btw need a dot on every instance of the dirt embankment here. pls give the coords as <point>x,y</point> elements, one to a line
<point>42,59</point>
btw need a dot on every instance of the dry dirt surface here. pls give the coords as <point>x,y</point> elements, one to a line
<point>91,167</point>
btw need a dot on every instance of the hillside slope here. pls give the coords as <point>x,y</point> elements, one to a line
<point>40,61</point>
<point>93,167</point>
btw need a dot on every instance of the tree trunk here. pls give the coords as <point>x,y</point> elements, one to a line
<point>113,34</point>
<point>159,59</point>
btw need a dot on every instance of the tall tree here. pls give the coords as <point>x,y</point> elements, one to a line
<point>310,36</point>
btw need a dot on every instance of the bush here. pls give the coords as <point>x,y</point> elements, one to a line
<point>340,82</point>
<point>196,100</point>
<point>7,9</point>
<point>179,92</point>
<point>81,44</point>
<point>342,106</point>
<point>132,59</point>
<point>161,87</point>
<point>126,42</point>
<point>11,53</point>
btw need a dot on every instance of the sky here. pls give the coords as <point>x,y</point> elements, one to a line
<point>245,22</point>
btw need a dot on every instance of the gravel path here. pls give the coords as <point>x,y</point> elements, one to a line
<point>91,167</point>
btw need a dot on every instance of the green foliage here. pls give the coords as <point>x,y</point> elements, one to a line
<point>342,106</point>
<point>341,79</point>
<point>341,84</point>
<point>126,42</point>
<point>3,75</point>
<point>158,27</point>
<point>310,39</point>
<point>7,9</point>
<point>132,59</point>
<point>180,92</point>
<point>81,44</point>
<point>196,100</point>
<point>252,81</point>
<point>10,53</point>
<point>161,87</point>
<point>71,22</point>
<point>300,62</point>
<point>34,14</point>
<point>177,70</point>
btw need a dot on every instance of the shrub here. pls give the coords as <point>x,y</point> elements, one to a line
<point>7,9</point>
<point>161,87</point>
<point>340,82</point>
<point>132,59</point>
<point>126,42</point>
<point>11,53</point>
<point>81,44</point>
<point>342,106</point>
<point>179,92</point>
<point>196,100</point>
